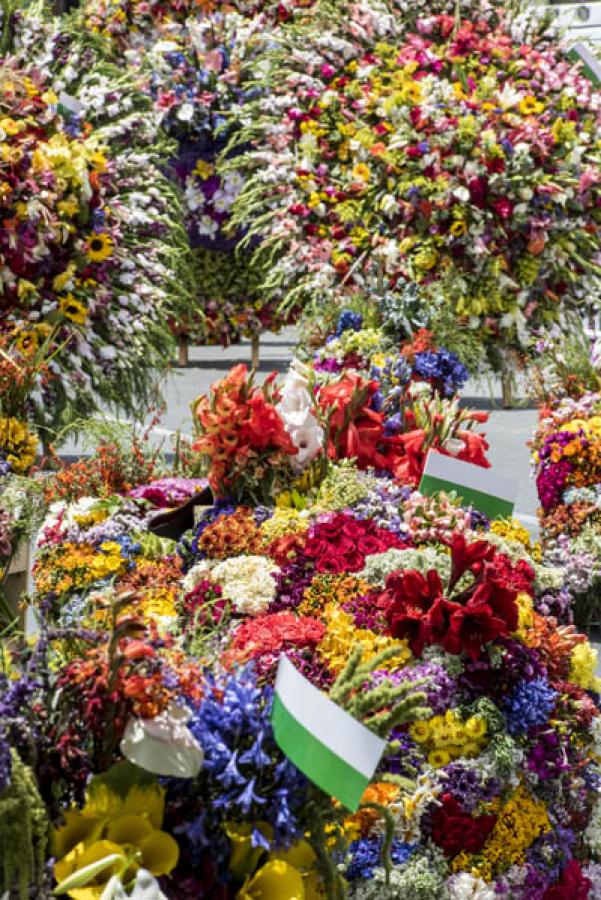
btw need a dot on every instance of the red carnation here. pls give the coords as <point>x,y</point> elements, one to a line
<point>455,830</point>
<point>574,884</point>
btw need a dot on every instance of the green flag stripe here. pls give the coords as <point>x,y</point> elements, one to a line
<point>324,768</point>
<point>494,507</point>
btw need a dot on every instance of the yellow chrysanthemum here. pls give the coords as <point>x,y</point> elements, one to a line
<point>530,106</point>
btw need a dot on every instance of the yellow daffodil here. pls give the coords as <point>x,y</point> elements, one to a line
<point>10,127</point>
<point>108,825</point>
<point>73,310</point>
<point>100,247</point>
<point>276,880</point>
<point>245,857</point>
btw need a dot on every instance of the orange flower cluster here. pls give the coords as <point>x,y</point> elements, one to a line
<point>242,435</point>
<point>325,589</point>
<point>232,535</point>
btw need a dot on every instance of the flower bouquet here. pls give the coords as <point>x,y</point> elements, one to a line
<point>422,619</point>
<point>567,464</point>
<point>361,164</point>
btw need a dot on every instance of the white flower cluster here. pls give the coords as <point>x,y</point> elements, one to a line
<point>245,580</point>
<point>468,887</point>
<point>297,411</point>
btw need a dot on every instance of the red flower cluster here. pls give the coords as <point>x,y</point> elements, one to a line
<point>239,424</point>
<point>455,830</point>
<point>418,610</point>
<point>342,543</point>
<point>355,430</point>
<point>274,632</point>
<point>203,605</point>
<point>574,884</point>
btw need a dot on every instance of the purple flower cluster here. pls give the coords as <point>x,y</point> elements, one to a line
<point>349,321</point>
<point>165,492</point>
<point>439,687</point>
<point>291,582</point>
<point>469,785</point>
<point>548,756</point>
<point>552,476</point>
<point>366,854</point>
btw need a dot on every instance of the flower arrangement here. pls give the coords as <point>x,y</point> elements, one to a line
<point>419,596</point>
<point>102,263</point>
<point>365,169</point>
<point>565,458</point>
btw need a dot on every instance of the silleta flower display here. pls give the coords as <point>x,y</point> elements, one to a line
<point>441,154</point>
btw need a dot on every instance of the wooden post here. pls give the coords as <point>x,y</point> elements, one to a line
<point>254,351</point>
<point>507,388</point>
<point>183,353</point>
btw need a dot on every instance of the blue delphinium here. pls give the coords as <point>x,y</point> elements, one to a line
<point>529,704</point>
<point>349,321</point>
<point>366,855</point>
<point>247,776</point>
<point>442,366</point>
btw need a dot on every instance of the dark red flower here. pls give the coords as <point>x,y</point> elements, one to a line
<point>574,884</point>
<point>454,830</point>
<point>478,188</point>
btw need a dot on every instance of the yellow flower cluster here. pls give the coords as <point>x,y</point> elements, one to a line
<point>513,530</point>
<point>526,618</point>
<point>282,523</point>
<point>448,737</point>
<point>17,444</point>
<point>342,635</point>
<point>78,565</point>
<point>584,660</point>
<point>520,822</point>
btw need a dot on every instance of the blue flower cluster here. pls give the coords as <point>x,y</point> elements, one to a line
<point>349,321</point>
<point>247,775</point>
<point>366,855</point>
<point>442,366</point>
<point>529,704</point>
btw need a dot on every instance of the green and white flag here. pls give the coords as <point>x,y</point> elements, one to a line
<point>333,749</point>
<point>592,66</point>
<point>485,490</point>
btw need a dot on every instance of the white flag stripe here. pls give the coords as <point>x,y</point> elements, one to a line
<point>470,476</point>
<point>328,722</point>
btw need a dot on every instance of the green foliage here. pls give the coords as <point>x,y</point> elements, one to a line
<point>23,833</point>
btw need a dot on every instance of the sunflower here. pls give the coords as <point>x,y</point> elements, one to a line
<point>18,445</point>
<point>74,310</point>
<point>100,247</point>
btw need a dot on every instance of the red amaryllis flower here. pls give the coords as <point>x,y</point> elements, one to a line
<point>417,609</point>
<point>455,830</point>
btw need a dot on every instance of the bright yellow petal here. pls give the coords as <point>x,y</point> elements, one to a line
<point>129,830</point>
<point>160,852</point>
<point>148,801</point>
<point>276,880</point>
<point>301,855</point>
<point>77,829</point>
<point>244,857</point>
<point>314,889</point>
<point>81,856</point>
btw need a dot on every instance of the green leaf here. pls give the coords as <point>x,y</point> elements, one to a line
<point>84,876</point>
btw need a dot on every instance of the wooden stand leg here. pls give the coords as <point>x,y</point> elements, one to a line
<point>507,388</point>
<point>182,354</point>
<point>254,351</point>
